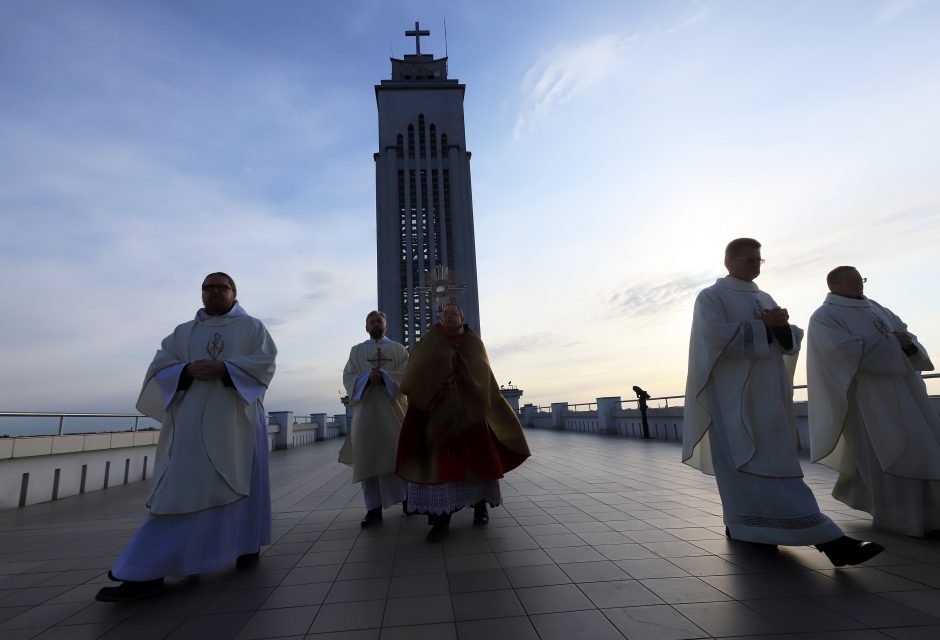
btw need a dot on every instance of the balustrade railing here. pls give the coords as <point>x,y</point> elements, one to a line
<point>60,419</point>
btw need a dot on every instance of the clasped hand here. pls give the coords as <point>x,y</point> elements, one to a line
<point>904,338</point>
<point>206,369</point>
<point>775,318</point>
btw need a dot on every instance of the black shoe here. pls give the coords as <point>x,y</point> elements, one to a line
<point>933,534</point>
<point>248,560</point>
<point>112,578</point>
<point>130,590</point>
<point>373,516</point>
<point>480,515</point>
<point>438,532</point>
<point>404,508</point>
<point>846,550</point>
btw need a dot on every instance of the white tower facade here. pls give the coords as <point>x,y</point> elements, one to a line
<point>424,207</point>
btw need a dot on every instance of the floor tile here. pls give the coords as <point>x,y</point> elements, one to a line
<point>727,618</point>
<point>678,590</point>
<point>575,624</point>
<point>354,590</point>
<point>443,631</point>
<point>619,593</point>
<point>297,596</point>
<point>486,604</point>
<point>419,585</point>
<point>517,628</point>
<point>566,597</point>
<point>660,622</point>
<point>418,610</point>
<point>536,575</point>
<point>274,622</point>
<point>346,616</point>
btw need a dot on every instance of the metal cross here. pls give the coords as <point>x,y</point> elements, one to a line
<point>378,359</point>
<point>417,33</point>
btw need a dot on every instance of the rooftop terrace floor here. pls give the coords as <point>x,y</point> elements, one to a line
<point>599,537</point>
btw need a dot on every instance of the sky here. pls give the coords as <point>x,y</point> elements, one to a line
<point>616,148</point>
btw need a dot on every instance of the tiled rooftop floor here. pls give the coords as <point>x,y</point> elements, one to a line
<point>599,537</point>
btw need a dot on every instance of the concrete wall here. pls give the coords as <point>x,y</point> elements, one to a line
<point>664,423</point>
<point>40,470</point>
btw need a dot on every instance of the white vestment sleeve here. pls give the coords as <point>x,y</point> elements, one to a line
<point>391,387</point>
<point>360,386</point>
<point>168,379</point>
<point>920,360</point>
<point>247,386</point>
<point>833,358</point>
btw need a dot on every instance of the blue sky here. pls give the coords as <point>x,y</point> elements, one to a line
<point>617,146</point>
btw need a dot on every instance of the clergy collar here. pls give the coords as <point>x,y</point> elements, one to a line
<point>382,340</point>
<point>736,284</point>
<point>235,312</point>
<point>843,301</point>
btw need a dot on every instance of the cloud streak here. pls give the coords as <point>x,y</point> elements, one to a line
<point>562,74</point>
<point>649,299</point>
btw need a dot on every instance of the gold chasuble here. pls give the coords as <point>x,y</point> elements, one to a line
<point>458,426</point>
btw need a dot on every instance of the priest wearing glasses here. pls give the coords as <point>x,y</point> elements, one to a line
<point>210,502</point>
<point>870,417</point>
<point>739,422</point>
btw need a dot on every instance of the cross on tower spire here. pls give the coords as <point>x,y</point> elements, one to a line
<point>417,33</point>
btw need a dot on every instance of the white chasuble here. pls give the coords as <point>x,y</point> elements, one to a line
<point>378,407</point>
<point>870,417</point>
<point>208,432</point>
<point>739,423</point>
<point>740,384</point>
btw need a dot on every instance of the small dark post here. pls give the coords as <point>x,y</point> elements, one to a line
<point>642,397</point>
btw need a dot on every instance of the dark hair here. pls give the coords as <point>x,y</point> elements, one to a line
<point>833,276</point>
<point>376,313</point>
<point>735,247</point>
<point>231,282</point>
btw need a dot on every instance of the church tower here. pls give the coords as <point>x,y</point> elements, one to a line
<point>424,208</point>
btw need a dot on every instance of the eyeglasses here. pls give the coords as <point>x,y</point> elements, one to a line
<point>751,261</point>
<point>856,281</point>
<point>216,287</point>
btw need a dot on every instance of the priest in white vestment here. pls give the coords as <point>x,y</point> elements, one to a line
<point>371,377</point>
<point>738,422</point>
<point>870,417</point>
<point>210,502</point>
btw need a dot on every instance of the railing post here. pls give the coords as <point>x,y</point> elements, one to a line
<point>319,419</point>
<point>605,414</point>
<point>558,411</point>
<point>284,439</point>
<point>135,423</point>
<point>528,415</point>
<point>61,425</point>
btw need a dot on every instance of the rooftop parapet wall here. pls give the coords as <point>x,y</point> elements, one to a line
<point>36,469</point>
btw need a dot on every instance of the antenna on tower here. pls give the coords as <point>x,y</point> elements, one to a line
<point>445,37</point>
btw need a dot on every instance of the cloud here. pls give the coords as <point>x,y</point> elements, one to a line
<point>563,74</point>
<point>571,70</point>
<point>895,8</point>
<point>524,343</point>
<point>698,14</point>
<point>656,299</point>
